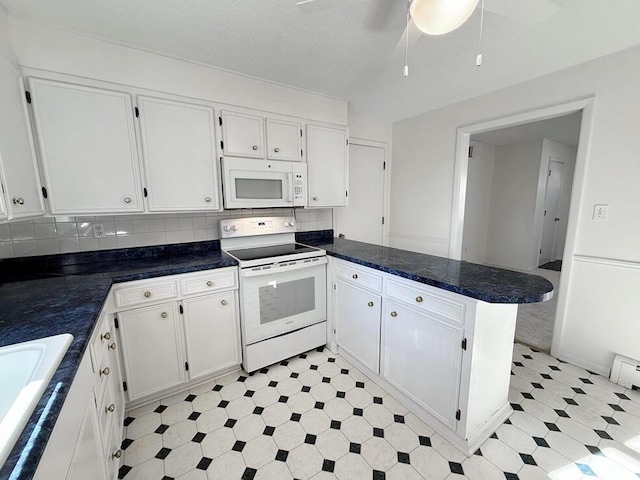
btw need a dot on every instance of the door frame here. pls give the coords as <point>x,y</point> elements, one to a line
<point>386,201</point>
<point>463,136</point>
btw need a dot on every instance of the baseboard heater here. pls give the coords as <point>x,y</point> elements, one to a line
<point>626,372</point>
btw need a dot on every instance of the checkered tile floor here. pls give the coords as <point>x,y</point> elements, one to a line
<point>315,416</point>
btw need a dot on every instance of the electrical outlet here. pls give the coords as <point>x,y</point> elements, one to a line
<point>600,212</point>
<point>98,230</point>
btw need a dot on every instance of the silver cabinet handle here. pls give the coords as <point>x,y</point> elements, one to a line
<point>164,314</point>
<point>105,336</point>
<point>276,149</point>
<point>370,304</point>
<point>394,314</point>
<point>110,409</point>
<point>419,299</point>
<point>127,200</point>
<point>105,371</point>
<point>354,276</point>
<point>315,199</point>
<point>118,454</point>
<point>147,294</point>
<point>255,147</point>
<point>223,302</point>
<point>18,201</point>
<point>210,283</point>
<point>112,346</point>
<point>208,199</point>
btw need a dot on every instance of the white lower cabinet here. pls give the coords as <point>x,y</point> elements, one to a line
<point>358,323</point>
<point>422,357</point>
<point>169,344</point>
<point>87,461</point>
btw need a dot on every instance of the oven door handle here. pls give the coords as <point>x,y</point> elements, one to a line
<point>282,267</point>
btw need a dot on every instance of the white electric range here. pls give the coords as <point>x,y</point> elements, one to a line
<point>283,297</point>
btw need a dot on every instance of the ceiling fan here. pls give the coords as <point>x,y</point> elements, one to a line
<point>437,17</point>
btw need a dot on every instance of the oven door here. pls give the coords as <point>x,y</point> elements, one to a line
<point>252,183</point>
<point>282,297</point>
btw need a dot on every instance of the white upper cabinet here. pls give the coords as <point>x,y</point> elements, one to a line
<point>242,135</point>
<point>284,140</point>
<point>19,171</point>
<point>179,152</point>
<point>327,159</point>
<point>87,148</point>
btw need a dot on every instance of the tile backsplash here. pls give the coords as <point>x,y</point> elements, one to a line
<point>44,236</point>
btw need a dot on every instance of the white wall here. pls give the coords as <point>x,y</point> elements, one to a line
<point>48,48</point>
<point>422,193</point>
<point>370,128</point>
<point>478,204</point>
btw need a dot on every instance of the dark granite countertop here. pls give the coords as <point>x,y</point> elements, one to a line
<point>493,285</point>
<point>49,295</point>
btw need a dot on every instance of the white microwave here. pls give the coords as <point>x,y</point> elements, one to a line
<point>250,183</point>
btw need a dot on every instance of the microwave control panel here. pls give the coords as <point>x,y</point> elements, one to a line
<point>298,188</point>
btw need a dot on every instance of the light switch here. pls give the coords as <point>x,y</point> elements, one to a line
<point>600,212</point>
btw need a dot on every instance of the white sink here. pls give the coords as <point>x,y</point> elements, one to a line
<point>25,371</point>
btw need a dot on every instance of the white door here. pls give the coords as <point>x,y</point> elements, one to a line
<point>87,147</point>
<point>327,159</point>
<point>242,135</point>
<point>212,333</point>
<point>151,352</point>
<point>358,323</point>
<point>422,356</point>
<point>284,140</point>
<point>17,156</point>
<point>551,202</point>
<point>87,461</point>
<point>362,219</point>
<point>179,147</point>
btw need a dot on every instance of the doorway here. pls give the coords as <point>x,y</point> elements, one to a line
<point>364,220</point>
<point>528,242</point>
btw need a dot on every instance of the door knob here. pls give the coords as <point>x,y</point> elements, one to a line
<point>394,314</point>
<point>255,147</point>
<point>18,201</point>
<point>556,219</point>
<point>105,371</point>
<point>164,315</point>
<point>105,336</point>
<point>370,304</point>
<point>276,149</point>
<point>127,200</point>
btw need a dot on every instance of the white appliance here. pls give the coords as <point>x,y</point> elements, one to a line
<point>250,183</point>
<point>283,297</point>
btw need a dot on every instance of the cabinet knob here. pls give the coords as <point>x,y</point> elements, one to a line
<point>210,283</point>
<point>315,199</point>
<point>276,149</point>
<point>127,199</point>
<point>117,454</point>
<point>255,147</point>
<point>370,304</point>
<point>164,314</point>
<point>110,409</point>
<point>394,314</point>
<point>223,302</point>
<point>419,299</point>
<point>147,294</point>
<point>105,336</point>
<point>112,346</point>
<point>105,371</point>
<point>354,276</point>
<point>208,199</point>
<point>18,201</point>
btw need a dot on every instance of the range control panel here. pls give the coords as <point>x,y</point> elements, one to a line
<point>245,227</point>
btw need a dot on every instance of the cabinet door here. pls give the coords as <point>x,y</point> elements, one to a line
<point>87,148</point>
<point>422,356</point>
<point>283,140</point>
<point>87,461</point>
<point>358,323</point>
<point>212,333</point>
<point>151,350</point>
<point>116,382</point>
<point>17,156</point>
<point>327,158</point>
<point>242,135</point>
<point>179,147</point>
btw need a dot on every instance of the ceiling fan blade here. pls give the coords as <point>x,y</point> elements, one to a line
<point>312,6</point>
<point>414,36</point>
<point>526,12</point>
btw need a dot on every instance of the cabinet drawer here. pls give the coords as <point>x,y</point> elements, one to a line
<point>210,281</point>
<point>100,342</point>
<point>359,276</point>
<point>128,296</point>
<point>423,299</point>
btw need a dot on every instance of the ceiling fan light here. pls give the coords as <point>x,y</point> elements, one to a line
<point>437,17</point>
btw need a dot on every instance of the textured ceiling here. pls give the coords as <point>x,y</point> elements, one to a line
<point>347,51</point>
